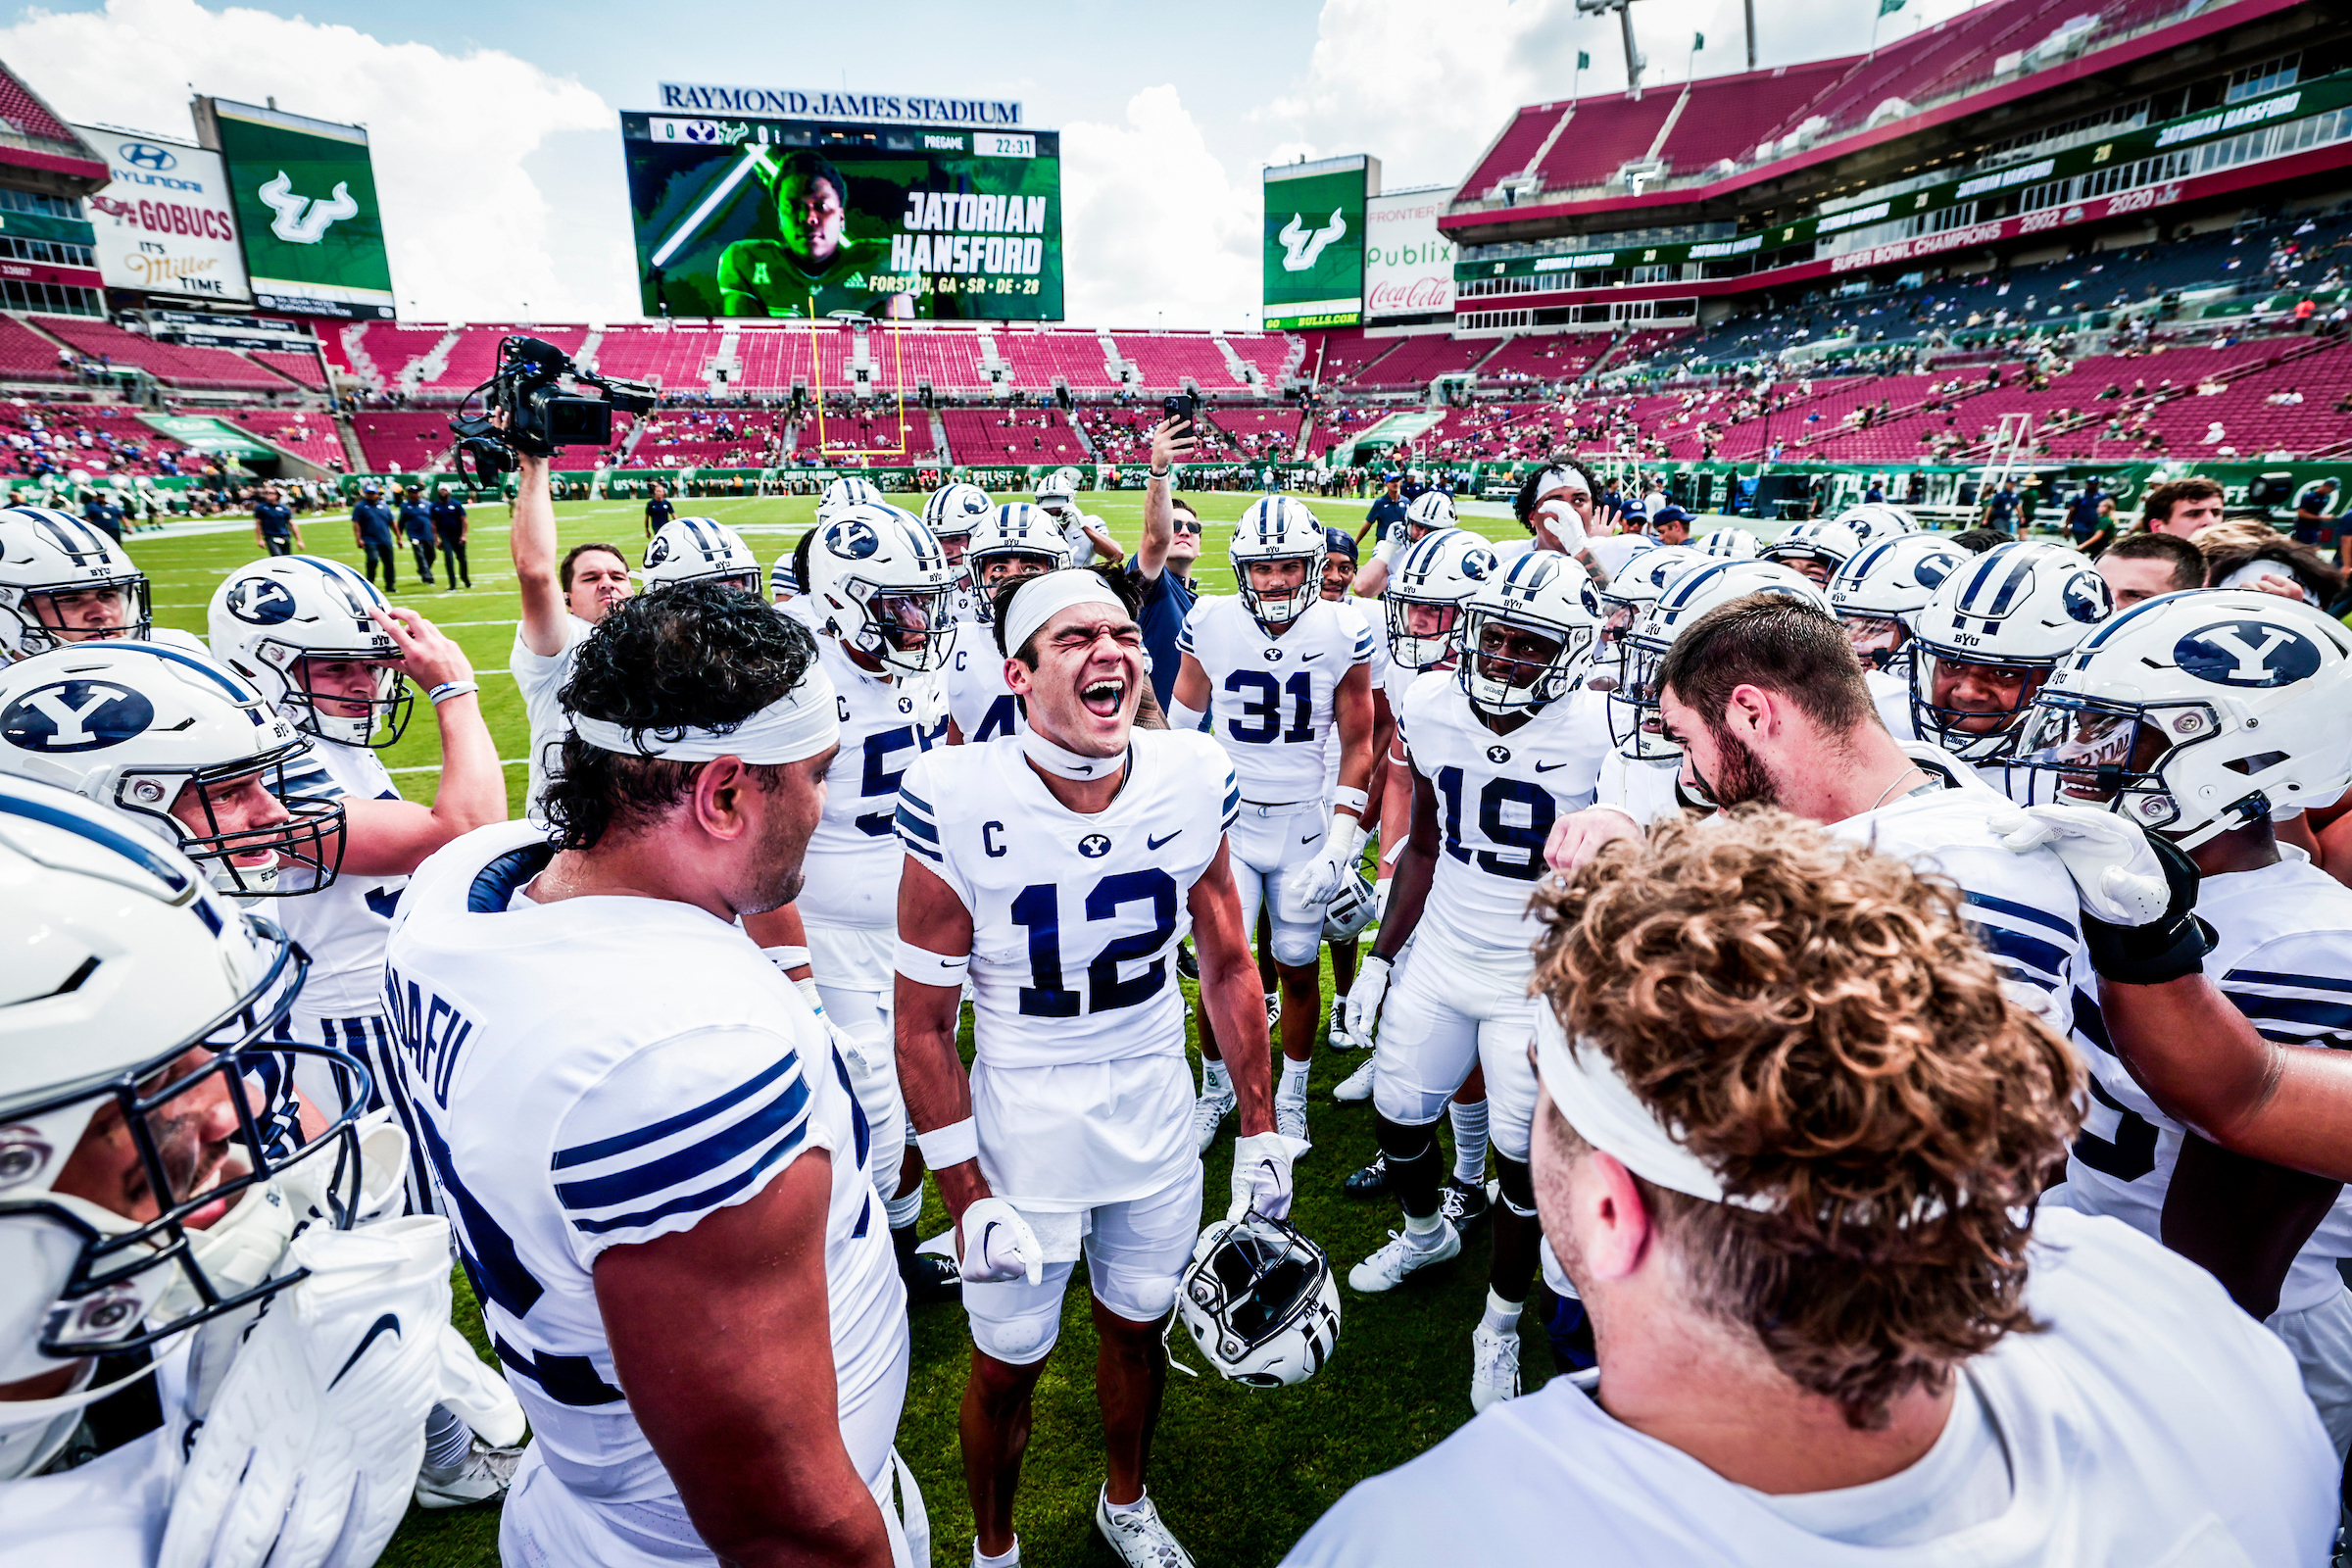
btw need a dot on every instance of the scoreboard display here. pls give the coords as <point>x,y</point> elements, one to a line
<point>809,219</point>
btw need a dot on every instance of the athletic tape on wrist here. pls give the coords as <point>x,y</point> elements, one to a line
<point>925,967</point>
<point>950,1145</point>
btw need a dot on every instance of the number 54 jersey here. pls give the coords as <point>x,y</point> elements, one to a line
<point>1079,1081</point>
<point>853,859</point>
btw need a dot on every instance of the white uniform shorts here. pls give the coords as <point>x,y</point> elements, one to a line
<point>1267,841</point>
<point>1449,1009</point>
<point>1136,1252</point>
<point>2321,1339</point>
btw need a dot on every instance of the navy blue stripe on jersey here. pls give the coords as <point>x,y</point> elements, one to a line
<point>1184,636</point>
<point>2026,911</point>
<point>709,1198</point>
<point>2305,982</point>
<point>786,1114</point>
<point>623,1143</point>
<point>2027,955</point>
<point>919,837</point>
<point>917,801</point>
<point>2323,1015</point>
<point>493,889</point>
<point>915,824</point>
<point>2040,961</point>
<point>2284,1007</point>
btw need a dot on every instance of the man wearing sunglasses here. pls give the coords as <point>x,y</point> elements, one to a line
<point>1161,566</point>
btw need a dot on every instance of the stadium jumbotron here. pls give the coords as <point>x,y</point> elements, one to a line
<point>1660,873</point>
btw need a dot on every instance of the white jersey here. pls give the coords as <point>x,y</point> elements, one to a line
<point>1272,695</point>
<point>1079,1080</point>
<point>1891,694</point>
<point>1497,798</point>
<point>540,679</point>
<point>964,600</point>
<point>2283,957</point>
<point>1384,684</point>
<point>110,1512</point>
<point>1643,789</point>
<point>2152,1423</point>
<point>186,642</point>
<point>853,859</point>
<point>979,700</point>
<point>603,1072</point>
<point>1073,534</point>
<point>341,927</point>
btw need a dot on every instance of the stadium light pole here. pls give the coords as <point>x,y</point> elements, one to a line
<point>1750,7</point>
<point>1625,21</point>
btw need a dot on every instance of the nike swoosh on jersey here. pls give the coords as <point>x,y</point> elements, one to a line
<point>390,1321</point>
<point>1546,767</point>
<point>1151,843</point>
<point>1303,658</point>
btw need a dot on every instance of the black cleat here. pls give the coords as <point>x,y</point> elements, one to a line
<point>931,1278</point>
<point>1370,1181</point>
<point>1187,962</point>
<point>1463,1202</point>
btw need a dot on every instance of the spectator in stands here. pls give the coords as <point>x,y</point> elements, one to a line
<point>274,528</point>
<point>448,532</point>
<point>416,525</point>
<point>2182,508</point>
<point>2142,566</point>
<point>101,512</point>
<point>2090,518</point>
<point>371,532</point>
<point>2311,514</point>
<point>1162,567</point>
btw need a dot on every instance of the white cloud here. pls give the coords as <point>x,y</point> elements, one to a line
<point>470,230</point>
<point>1155,230</point>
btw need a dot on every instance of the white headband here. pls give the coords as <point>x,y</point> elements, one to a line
<point>1562,479</point>
<point>1042,597</point>
<point>1607,1114</point>
<point>2254,572</point>
<point>801,724</point>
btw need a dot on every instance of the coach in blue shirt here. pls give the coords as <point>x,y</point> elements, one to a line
<point>274,528</point>
<point>102,514</point>
<point>449,531</point>
<point>1161,568</point>
<point>1387,515</point>
<point>371,531</point>
<point>416,522</point>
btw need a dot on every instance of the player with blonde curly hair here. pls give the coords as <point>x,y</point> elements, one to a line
<point>1790,1132</point>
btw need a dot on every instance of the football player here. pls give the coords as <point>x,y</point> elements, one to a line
<point>951,513</point>
<point>877,586</point>
<point>1728,544</point>
<point>145,1415</point>
<point>1877,595</point>
<point>1059,872</point>
<point>1281,667</point>
<point>1087,537</point>
<point>562,603</point>
<point>1877,522</point>
<point>1340,571</point>
<point>1790,1163</point>
<point>1430,512</point>
<point>1556,506</point>
<point>2194,715</point>
<point>1988,637</point>
<point>1813,549</point>
<point>845,492</point>
<point>1016,541</point>
<point>64,580</point>
<point>629,1101</point>
<point>1498,753</point>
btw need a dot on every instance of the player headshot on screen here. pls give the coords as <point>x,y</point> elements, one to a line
<point>815,268</point>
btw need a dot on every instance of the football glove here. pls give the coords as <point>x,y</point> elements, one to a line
<point>2139,891</point>
<point>998,1245</point>
<point>313,1444</point>
<point>1314,883</point>
<point>1261,1175</point>
<point>1363,997</point>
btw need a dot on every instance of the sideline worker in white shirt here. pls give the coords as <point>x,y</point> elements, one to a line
<point>562,603</point>
<point>1830,1329</point>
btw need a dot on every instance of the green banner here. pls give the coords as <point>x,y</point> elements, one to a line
<point>207,435</point>
<point>1314,247</point>
<point>40,225</point>
<point>307,209</point>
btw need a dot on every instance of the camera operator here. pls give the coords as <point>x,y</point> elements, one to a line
<point>561,606</point>
<point>449,531</point>
<point>659,511</point>
<point>416,522</point>
<point>371,532</point>
<point>274,529</point>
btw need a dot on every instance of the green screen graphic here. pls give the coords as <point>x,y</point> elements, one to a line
<point>1314,249</point>
<point>307,211</point>
<point>794,219</point>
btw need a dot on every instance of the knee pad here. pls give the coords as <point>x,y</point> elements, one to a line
<point>1405,1142</point>
<point>1026,1331</point>
<point>1296,943</point>
<point>1517,1179</point>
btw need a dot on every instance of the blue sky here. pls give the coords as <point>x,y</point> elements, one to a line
<point>498,152</point>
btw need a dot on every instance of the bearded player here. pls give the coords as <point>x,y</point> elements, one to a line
<point>1059,872</point>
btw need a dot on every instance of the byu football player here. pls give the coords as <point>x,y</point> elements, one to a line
<point>1059,872</point>
<point>628,1101</point>
<point>1988,637</point>
<point>64,580</point>
<point>1280,668</point>
<point>1013,541</point>
<point>1088,539</point>
<point>1877,595</point>
<point>952,515</point>
<point>1814,550</point>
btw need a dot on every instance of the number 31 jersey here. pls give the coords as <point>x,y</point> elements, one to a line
<point>1272,695</point>
<point>853,859</point>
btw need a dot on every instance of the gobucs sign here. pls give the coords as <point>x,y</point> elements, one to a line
<point>75,716</point>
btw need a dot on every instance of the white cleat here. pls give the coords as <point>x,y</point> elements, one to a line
<point>482,1476</point>
<point>1357,1085</point>
<point>1493,1367</point>
<point>1290,1117</point>
<point>1208,1114</point>
<point>1336,1032</point>
<point>1387,1268</point>
<point>1138,1535</point>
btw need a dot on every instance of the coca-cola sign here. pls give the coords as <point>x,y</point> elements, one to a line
<point>1408,266</point>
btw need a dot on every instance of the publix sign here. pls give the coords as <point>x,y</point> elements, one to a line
<point>1408,266</point>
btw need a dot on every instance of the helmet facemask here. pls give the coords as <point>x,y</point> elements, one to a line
<point>1509,678</point>
<point>44,623</point>
<point>312,836</point>
<point>1279,607</point>
<point>1636,727</point>
<point>1972,734</point>
<point>2127,758</point>
<point>326,714</point>
<point>904,628</point>
<point>1879,641</point>
<point>1429,648</point>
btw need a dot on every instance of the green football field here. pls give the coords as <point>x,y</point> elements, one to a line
<point>1239,1472</point>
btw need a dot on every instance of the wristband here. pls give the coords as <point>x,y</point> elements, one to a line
<point>787,957</point>
<point>1343,796</point>
<point>952,1145</point>
<point>451,688</point>
<point>810,995</point>
<point>1161,473</point>
<point>927,968</point>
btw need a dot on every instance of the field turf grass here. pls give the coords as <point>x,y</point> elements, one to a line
<point>1239,1472</point>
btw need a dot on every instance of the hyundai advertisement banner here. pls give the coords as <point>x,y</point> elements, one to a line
<point>163,223</point>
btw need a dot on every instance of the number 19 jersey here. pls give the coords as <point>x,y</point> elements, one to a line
<point>1272,695</point>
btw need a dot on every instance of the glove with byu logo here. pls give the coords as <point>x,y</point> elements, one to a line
<point>312,1448</point>
<point>998,1245</point>
<point>1261,1174</point>
<point>2139,891</point>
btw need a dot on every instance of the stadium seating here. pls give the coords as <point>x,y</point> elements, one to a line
<point>97,438</point>
<point>1337,358</point>
<point>408,441</point>
<point>1547,357</point>
<point>772,358</point>
<point>474,356</point>
<point>1275,354</point>
<point>673,356</point>
<point>882,436</point>
<point>173,364</point>
<point>1419,359</point>
<point>300,369</point>
<point>383,350</point>
<point>307,435</point>
<point>1258,432</point>
<point>1165,362</point>
<point>946,359</point>
<point>26,356</point>
<point>1039,356</point>
<point>1010,435</point>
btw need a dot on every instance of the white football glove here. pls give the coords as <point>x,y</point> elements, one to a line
<point>2117,876</point>
<point>313,1442</point>
<point>1314,883</point>
<point>1363,997</point>
<point>1261,1174</point>
<point>998,1245</point>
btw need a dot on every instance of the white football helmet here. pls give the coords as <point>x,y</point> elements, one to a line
<point>1875,520</point>
<point>879,582</point>
<point>272,620</point>
<point>1634,722</point>
<point>1541,593</point>
<point>955,510</point>
<point>1435,573</point>
<point>1992,633</point>
<point>1259,1301</point>
<point>1431,509</point>
<point>1057,492</point>
<point>1018,531</point>
<point>783,580</point>
<point>1729,544</point>
<point>846,492</point>
<point>700,550</point>
<point>143,728</point>
<point>126,980</point>
<point>48,556</point>
<point>1278,528</point>
<point>1826,546</point>
<point>1626,599</point>
<point>1883,587</point>
<point>2193,713</point>
<point>1352,908</point>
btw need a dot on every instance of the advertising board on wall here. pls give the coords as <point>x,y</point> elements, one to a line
<point>304,194</point>
<point>163,223</point>
<point>1313,261</point>
<point>1408,266</point>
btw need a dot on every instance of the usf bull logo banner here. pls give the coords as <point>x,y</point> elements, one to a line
<point>1314,260</point>
<point>307,212</point>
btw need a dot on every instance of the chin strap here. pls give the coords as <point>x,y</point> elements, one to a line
<point>1062,762</point>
